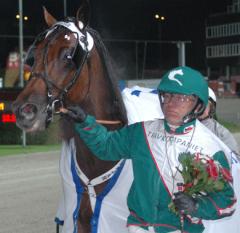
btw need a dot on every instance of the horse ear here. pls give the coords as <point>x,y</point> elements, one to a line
<point>83,14</point>
<point>49,19</point>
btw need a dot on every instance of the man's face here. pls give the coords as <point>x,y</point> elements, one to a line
<point>176,106</point>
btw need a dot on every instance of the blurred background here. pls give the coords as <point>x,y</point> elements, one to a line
<point>145,38</point>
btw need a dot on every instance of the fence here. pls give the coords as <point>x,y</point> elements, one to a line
<point>133,59</point>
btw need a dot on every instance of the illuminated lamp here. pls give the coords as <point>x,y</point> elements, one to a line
<point>8,118</point>
<point>2,106</point>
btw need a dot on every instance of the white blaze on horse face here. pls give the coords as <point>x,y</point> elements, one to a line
<point>172,75</point>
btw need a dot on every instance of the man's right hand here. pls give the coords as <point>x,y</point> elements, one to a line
<point>74,112</point>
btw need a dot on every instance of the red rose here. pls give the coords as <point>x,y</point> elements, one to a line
<point>212,169</point>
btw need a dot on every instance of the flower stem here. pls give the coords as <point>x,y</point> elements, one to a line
<point>182,221</point>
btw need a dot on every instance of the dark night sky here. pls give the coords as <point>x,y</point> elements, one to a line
<point>125,19</point>
<point>132,19</point>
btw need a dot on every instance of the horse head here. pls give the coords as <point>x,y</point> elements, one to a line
<point>62,59</point>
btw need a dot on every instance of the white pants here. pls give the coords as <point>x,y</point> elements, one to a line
<point>136,229</point>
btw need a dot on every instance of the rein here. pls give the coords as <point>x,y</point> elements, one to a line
<point>106,122</point>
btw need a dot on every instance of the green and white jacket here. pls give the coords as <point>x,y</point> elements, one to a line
<point>154,151</point>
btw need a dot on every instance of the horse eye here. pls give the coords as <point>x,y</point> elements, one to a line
<point>68,58</point>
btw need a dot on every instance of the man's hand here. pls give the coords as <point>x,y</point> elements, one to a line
<point>185,203</point>
<point>74,112</point>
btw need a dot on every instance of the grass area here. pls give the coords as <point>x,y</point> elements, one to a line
<point>234,128</point>
<point>18,149</point>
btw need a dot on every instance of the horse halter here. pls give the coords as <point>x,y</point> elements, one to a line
<point>84,42</point>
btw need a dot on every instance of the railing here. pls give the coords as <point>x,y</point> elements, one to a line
<point>134,59</point>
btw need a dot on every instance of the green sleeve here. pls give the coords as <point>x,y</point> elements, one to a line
<point>106,145</point>
<point>218,204</point>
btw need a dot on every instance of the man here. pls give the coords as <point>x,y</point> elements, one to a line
<point>154,147</point>
<point>207,118</point>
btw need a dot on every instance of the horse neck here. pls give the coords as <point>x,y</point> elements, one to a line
<point>104,101</point>
<point>97,101</point>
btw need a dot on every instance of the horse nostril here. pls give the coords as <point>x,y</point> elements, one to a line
<point>28,111</point>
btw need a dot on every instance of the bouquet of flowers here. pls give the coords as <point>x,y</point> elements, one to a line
<point>201,175</point>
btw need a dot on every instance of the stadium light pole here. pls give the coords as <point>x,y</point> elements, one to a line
<point>181,53</point>
<point>65,8</point>
<point>21,81</point>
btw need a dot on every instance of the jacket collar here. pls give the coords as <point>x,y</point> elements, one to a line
<point>182,129</point>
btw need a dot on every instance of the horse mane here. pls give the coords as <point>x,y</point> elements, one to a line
<point>118,105</point>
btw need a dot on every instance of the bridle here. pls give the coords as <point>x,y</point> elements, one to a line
<point>84,42</point>
<point>54,102</point>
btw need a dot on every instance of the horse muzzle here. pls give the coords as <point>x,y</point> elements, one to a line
<point>29,116</point>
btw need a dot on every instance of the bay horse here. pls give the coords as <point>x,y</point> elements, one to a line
<point>71,66</point>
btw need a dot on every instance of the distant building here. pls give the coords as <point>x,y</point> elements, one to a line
<point>223,50</point>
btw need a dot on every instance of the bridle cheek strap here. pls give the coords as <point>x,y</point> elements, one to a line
<point>86,42</point>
